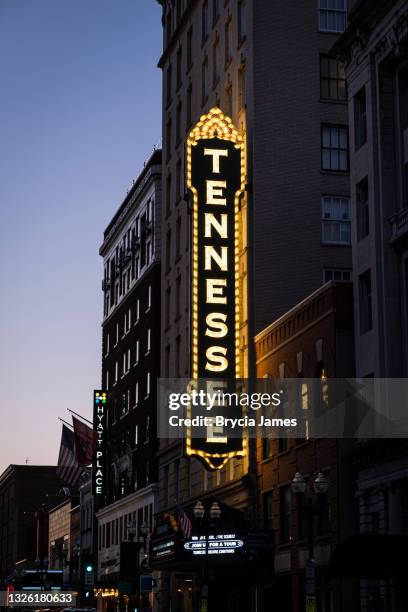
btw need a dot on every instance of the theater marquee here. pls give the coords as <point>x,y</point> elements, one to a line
<point>216,179</point>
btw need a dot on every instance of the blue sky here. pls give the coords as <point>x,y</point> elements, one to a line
<point>80,111</point>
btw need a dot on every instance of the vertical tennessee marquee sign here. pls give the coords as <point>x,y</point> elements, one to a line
<point>216,178</point>
<point>100,415</point>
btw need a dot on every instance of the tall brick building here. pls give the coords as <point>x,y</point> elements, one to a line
<point>374,49</point>
<point>265,65</point>
<point>130,366</point>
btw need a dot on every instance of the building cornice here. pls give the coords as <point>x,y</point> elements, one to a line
<point>133,498</point>
<point>130,204</point>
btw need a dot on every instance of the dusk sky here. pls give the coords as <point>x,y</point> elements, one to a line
<point>80,112</point>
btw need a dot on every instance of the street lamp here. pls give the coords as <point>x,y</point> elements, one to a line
<point>200,514</point>
<point>299,488</point>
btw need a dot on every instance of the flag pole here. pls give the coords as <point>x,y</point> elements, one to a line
<point>65,422</point>
<point>80,416</point>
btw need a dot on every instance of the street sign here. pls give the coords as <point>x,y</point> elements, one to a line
<point>260,539</point>
<point>311,603</point>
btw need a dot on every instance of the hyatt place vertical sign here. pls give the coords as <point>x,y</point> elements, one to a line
<point>216,179</point>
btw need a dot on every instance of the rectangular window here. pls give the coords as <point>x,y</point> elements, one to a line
<point>366,312</point>
<point>168,194</point>
<point>363,219</point>
<point>241,87</point>
<point>337,275</point>
<point>335,148</point>
<point>168,138</point>
<point>285,509</point>
<point>116,371</point>
<point>148,340</point>
<point>147,437</point>
<point>179,65</point>
<point>178,180</point>
<point>178,355</point>
<point>136,393</point>
<point>168,85</point>
<point>204,21</point>
<point>336,220</point>
<point>168,306</point>
<point>189,106</point>
<point>216,66</point>
<point>137,310</point>
<point>107,380</point>
<point>228,41</point>
<point>228,99</point>
<point>178,238</point>
<point>216,10</point>
<point>204,81</point>
<point>267,447</point>
<point>148,383</point>
<point>178,123</point>
<point>107,344</point>
<point>332,79</point>
<point>167,361</point>
<point>241,20</point>
<point>178,296</point>
<point>332,15</point>
<point>189,47</point>
<point>267,503</point>
<point>149,297</point>
<point>168,250</point>
<point>360,119</point>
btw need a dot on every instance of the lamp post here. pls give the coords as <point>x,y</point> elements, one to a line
<point>42,565</point>
<point>205,520</point>
<point>299,488</point>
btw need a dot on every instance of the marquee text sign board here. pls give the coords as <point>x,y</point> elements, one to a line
<point>216,179</point>
<point>100,411</point>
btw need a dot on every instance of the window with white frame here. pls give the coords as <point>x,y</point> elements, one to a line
<point>342,275</point>
<point>107,380</point>
<point>334,148</point>
<point>149,297</point>
<point>336,221</point>
<point>116,371</point>
<point>107,344</point>
<point>137,352</point>
<point>332,15</point>
<point>136,393</point>
<point>148,340</point>
<point>137,310</point>
<point>148,383</point>
<point>147,438</point>
<point>136,434</point>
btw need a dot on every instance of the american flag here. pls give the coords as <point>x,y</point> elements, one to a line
<point>85,442</point>
<point>68,468</point>
<point>184,522</point>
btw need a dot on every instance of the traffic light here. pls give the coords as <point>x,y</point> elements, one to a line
<point>89,575</point>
